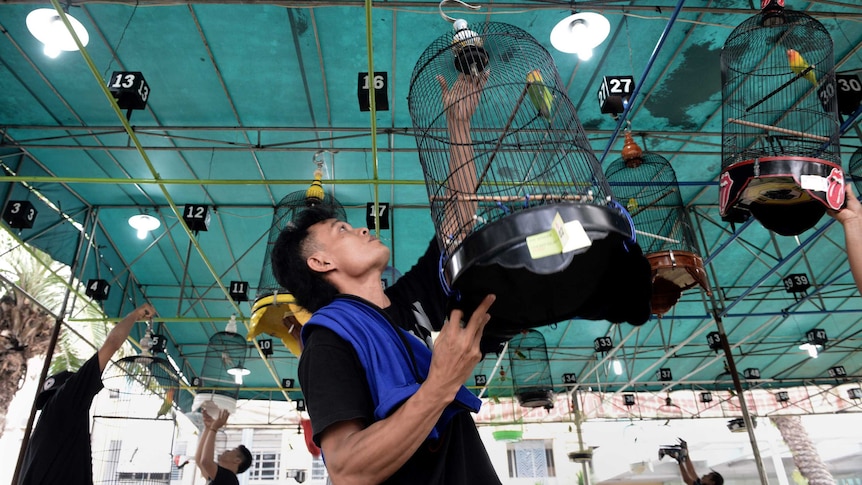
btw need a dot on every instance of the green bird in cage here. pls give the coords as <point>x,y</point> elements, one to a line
<point>540,95</point>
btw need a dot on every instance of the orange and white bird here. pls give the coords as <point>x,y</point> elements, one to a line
<point>799,65</point>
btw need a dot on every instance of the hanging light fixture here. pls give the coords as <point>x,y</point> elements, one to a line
<point>238,373</point>
<point>144,223</point>
<point>48,28</point>
<point>617,367</point>
<point>580,33</point>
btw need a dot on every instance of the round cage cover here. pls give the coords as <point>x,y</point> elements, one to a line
<point>507,166</point>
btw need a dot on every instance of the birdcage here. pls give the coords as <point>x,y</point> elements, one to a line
<point>780,155</point>
<point>531,370</point>
<point>221,376</point>
<point>274,310</point>
<point>518,199</point>
<point>646,184</point>
<point>134,423</point>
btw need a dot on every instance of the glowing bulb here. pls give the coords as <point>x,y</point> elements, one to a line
<point>585,54</point>
<point>143,224</point>
<point>618,367</point>
<point>238,373</point>
<point>811,348</point>
<point>51,51</point>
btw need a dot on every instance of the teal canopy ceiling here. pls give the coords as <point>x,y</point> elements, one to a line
<point>244,96</point>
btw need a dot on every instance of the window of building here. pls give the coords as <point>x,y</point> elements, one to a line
<point>318,469</point>
<point>264,466</point>
<point>531,459</point>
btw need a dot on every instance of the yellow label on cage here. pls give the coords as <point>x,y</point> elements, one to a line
<point>562,238</point>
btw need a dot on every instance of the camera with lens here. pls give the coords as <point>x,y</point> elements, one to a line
<point>672,451</point>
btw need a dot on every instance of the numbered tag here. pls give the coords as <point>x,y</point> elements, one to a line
<point>480,379</point>
<point>19,214</point>
<point>98,289</point>
<point>382,214</point>
<point>837,371</point>
<point>287,383</point>
<point>629,399</point>
<point>614,93</point>
<point>713,339</point>
<point>664,374</point>
<point>603,344</point>
<point>751,373</point>
<point>816,336</point>
<point>705,397</point>
<point>796,283</point>
<point>238,290</point>
<point>265,345</point>
<point>380,85</point>
<point>130,89</point>
<point>570,379</point>
<point>197,217</point>
<point>782,396</point>
<point>159,343</point>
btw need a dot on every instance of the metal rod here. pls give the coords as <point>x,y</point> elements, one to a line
<point>778,129</point>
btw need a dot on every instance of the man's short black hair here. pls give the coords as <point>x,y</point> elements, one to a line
<point>246,459</point>
<point>289,266</point>
<point>717,479</point>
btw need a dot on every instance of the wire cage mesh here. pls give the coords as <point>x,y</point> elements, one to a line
<point>224,360</point>
<point>531,370</point>
<point>134,424</point>
<point>504,155</point>
<point>780,153</point>
<point>649,189</point>
<point>854,168</point>
<point>139,386</point>
<point>274,306</point>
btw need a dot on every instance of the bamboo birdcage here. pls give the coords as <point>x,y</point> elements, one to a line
<point>645,182</point>
<point>497,186</point>
<point>780,155</point>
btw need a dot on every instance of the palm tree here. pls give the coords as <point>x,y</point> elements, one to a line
<point>28,277</point>
<point>804,452</point>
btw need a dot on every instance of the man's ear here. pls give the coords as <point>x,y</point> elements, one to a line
<point>319,263</point>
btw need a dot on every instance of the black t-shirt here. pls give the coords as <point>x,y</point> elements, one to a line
<point>335,388</point>
<point>224,477</point>
<point>59,450</point>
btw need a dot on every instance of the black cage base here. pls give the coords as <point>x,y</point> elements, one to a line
<point>609,280</point>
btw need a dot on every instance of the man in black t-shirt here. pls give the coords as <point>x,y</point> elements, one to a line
<point>689,475</point>
<point>383,407</point>
<point>229,464</point>
<point>59,450</point>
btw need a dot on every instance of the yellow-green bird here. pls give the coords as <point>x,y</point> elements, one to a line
<point>540,95</point>
<point>798,65</point>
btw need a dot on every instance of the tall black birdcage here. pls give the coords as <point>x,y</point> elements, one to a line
<point>218,385</point>
<point>518,199</point>
<point>645,182</point>
<point>274,310</point>
<point>780,156</point>
<point>531,370</point>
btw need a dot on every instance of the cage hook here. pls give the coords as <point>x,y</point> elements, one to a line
<point>460,2</point>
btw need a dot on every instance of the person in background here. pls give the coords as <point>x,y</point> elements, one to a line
<point>59,450</point>
<point>850,218</point>
<point>228,465</point>
<point>686,469</point>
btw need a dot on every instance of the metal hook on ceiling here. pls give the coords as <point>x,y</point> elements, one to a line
<point>460,2</point>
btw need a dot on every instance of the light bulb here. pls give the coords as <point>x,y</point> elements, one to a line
<point>51,51</point>
<point>812,351</point>
<point>237,378</point>
<point>142,233</point>
<point>585,54</point>
<point>618,367</point>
